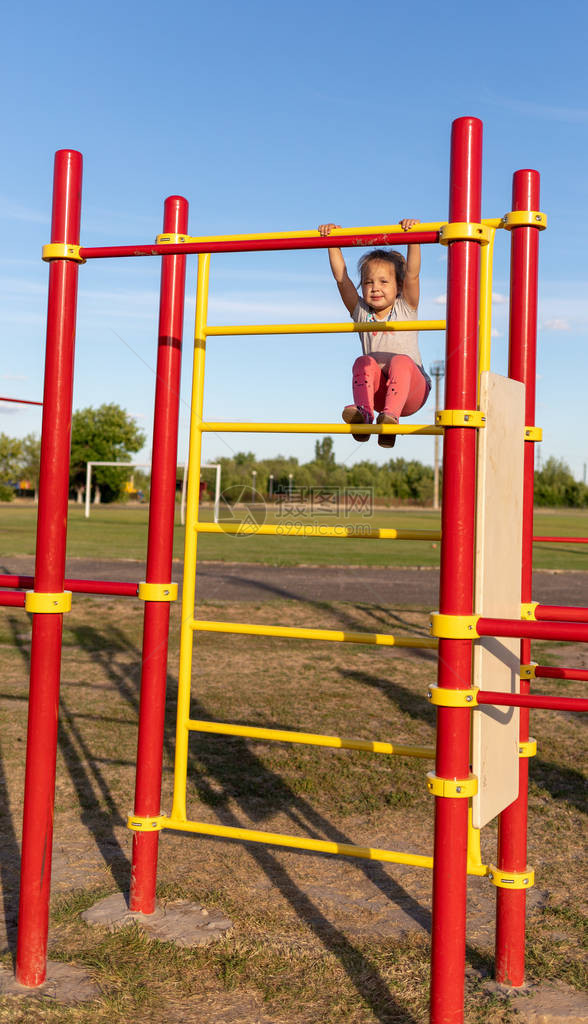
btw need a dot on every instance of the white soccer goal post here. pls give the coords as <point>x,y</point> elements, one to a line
<point>217,486</point>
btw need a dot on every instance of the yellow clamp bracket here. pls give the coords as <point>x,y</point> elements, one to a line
<point>529,748</point>
<point>528,671</point>
<point>62,251</point>
<point>528,610</point>
<point>48,604</point>
<point>465,232</point>
<point>172,239</point>
<point>443,697</point>
<point>438,786</point>
<point>454,627</point>
<point>157,592</point>
<point>533,434</point>
<point>524,219</point>
<point>511,879</point>
<point>460,418</point>
<point>140,824</point>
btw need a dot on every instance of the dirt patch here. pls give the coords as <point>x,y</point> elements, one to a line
<point>315,938</point>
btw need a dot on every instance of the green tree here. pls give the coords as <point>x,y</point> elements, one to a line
<point>555,486</point>
<point>10,456</point>
<point>105,434</point>
<point>30,462</point>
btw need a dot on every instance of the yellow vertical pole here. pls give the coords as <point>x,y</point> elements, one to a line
<point>487,257</point>
<point>191,540</point>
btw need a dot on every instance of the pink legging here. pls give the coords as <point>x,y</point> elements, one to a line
<point>400,391</point>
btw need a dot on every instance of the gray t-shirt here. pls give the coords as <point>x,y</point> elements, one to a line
<point>382,345</point>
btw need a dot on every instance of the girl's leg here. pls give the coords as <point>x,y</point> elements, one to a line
<point>367,377</point>
<point>406,388</point>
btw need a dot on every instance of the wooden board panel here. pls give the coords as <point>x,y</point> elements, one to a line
<point>495,731</point>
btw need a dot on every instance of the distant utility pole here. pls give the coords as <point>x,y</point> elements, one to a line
<point>437,372</point>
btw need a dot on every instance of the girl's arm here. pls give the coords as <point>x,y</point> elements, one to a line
<point>347,289</point>
<point>411,286</point>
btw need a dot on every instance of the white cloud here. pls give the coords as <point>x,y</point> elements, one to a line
<point>13,376</point>
<point>496,334</point>
<point>498,299</point>
<point>440,300</point>
<point>556,324</point>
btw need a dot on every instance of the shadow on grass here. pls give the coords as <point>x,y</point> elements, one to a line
<point>561,783</point>
<point>85,773</point>
<point>225,773</point>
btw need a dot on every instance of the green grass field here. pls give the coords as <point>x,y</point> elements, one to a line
<point>119,531</point>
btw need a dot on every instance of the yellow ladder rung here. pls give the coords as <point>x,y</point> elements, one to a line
<point>298,843</point>
<point>359,531</point>
<point>293,632</point>
<point>312,739</point>
<point>320,428</point>
<point>227,330</point>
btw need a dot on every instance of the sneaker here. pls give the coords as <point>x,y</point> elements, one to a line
<point>386,440</point>
<point>357,414</point>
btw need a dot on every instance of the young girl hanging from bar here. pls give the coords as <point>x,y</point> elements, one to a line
<point>389,378</point>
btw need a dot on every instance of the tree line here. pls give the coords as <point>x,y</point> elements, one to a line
<point>109,434</point>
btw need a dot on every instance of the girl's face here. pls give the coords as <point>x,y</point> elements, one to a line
<point>378,285</point>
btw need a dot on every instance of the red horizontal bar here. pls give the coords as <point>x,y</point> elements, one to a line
<point>560,613</point>
<point>258,245</point>
<point>550,672</point>
<point>105,587</point>
<point>533,700</point>
<point>20,401</point>
<point>562,540</point>
<point>571,631</point>
<point>12,600</point>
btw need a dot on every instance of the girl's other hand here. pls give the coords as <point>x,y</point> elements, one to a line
<point>408,223</point>
<point>325,229</point>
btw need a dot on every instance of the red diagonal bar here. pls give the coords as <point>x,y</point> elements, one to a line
<point>258,245</point>
<point>532,700</point>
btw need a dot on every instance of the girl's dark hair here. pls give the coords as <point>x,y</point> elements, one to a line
<point>387,256</point>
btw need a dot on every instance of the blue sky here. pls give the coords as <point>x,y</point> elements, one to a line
<point>277,117</point>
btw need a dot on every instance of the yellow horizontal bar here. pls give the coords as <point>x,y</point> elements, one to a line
<point>344,328</point>
<point>306,530</point>
<point>312,739</point>
<point>296,633</point>
<point>297,843</point>
<point>316,845</point>
<point>379,229</point>
<point>320,428</point>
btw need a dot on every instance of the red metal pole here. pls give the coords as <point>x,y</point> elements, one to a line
<point>573,632</point>
<point>103,587</point>
<point>561,540</point>
<point>159,560</point>
<point>512,827</point>
<point>256,245</point>
<point>548,672</point>
<point>39,794</point>
<point>12,600</point>
<point>560,613</point>
<point>532,700</point>
<point>457,576</point>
